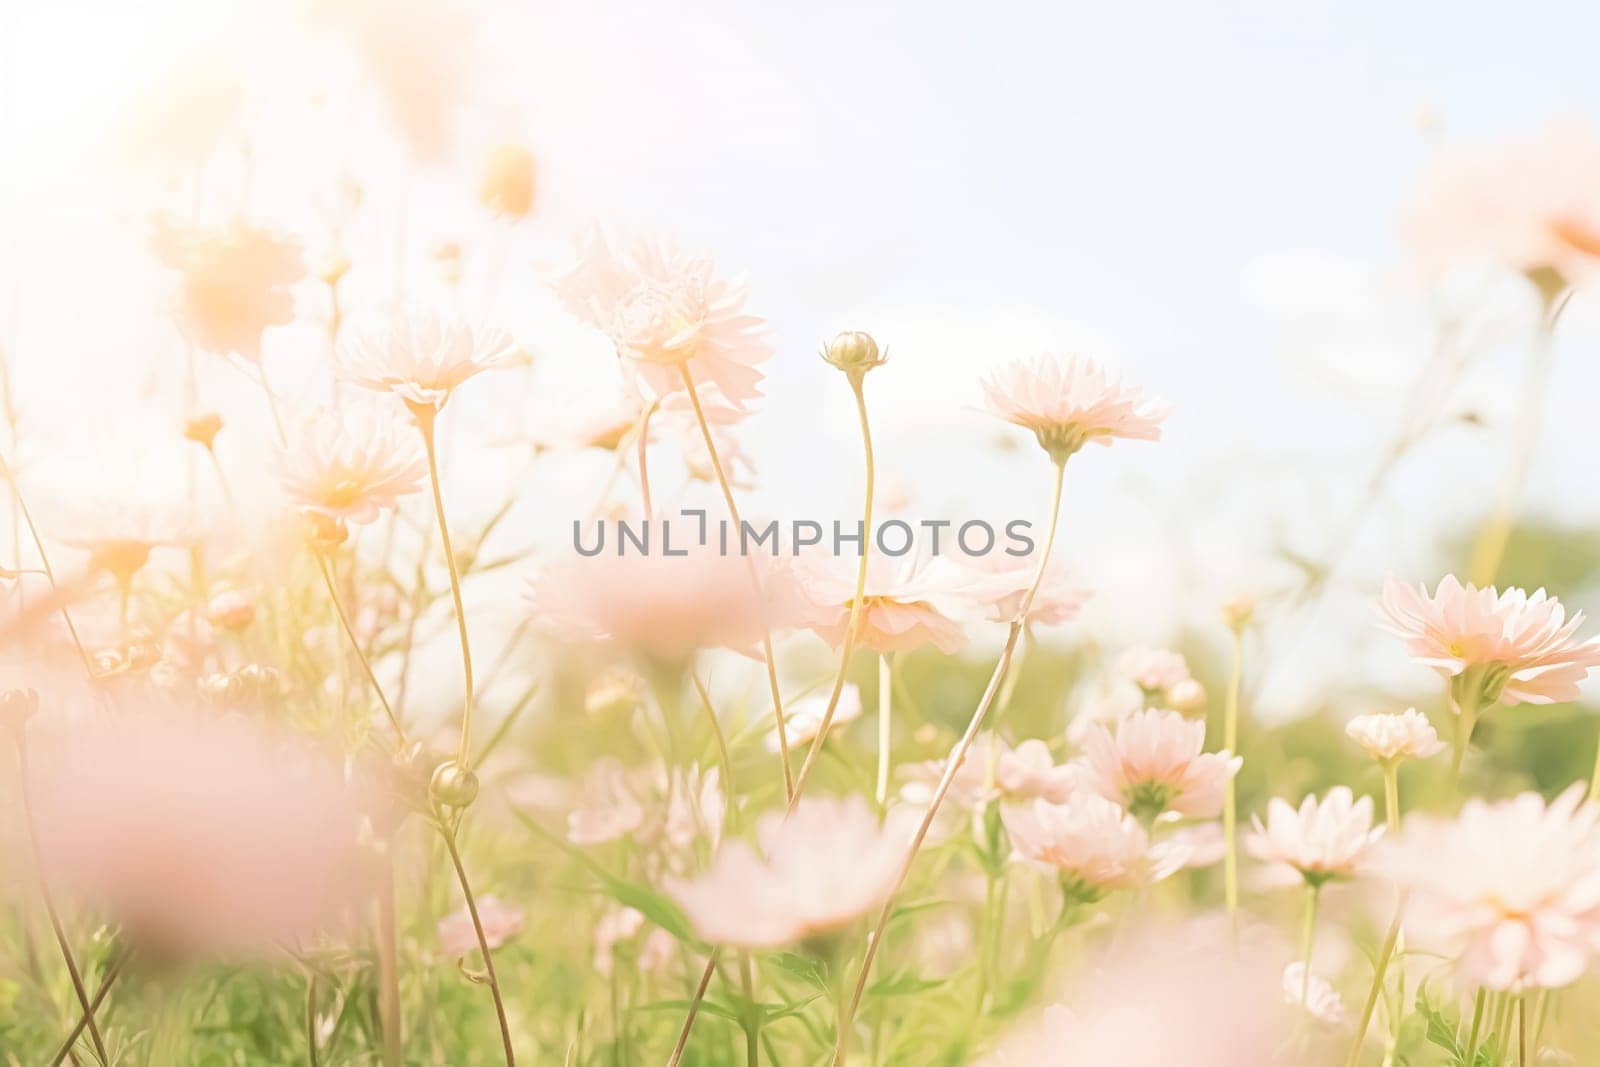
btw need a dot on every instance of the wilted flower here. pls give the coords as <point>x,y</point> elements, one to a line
<point>1153,763</point>
<point>1511,889</point>
<point>1092,842</point>
<point>1322,841</point>
<point>199,836</point>
<point>421,355</point>
<point>234,283</point>
<point>349,468</point>
<point>667,312</point>
<point>1495,647</point>
<point>897,605</point>
<point>1070,402</point>
<point>501,921</point>
<point>824,866</point>
<point>1389,738</point>
<point>508,181</point>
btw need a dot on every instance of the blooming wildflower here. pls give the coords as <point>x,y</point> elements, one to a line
<point>421,355</point>
<point>1094,844</point>
<point>1322,841</point>
<point>199,836</point>
<point>615,926</point>
<point>803,717</point>
<point>1389,738</point>
<point>1530,204</point>
<point>1001,581</point>
<point>823,867</point>
<point>1152,763</point>
<point>610,807</point>
<point>1070,402</point>
<point>1322,1002</point>
<point>1495,647</point>
<point>1510,889</point>
<point>234,283</point>
<point>897,611</point>
<point>501,922</point>
<point>666,311</point>
<point>348,468</point>
<point>1028,772</point>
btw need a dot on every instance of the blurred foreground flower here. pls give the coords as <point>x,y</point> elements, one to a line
<point>199,836</point>
<point>501,922</point>
<point>898,610</point>
<point>827,864</point>
<point>234,283</point>
<point>1509,889</point>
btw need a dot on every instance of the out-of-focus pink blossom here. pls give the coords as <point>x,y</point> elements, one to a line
<point>420,354</point>
<point>1321,841</point>
<point>1316,995</point>
<point>1069,402</point>
<point>898,610</point>
<point>501,922</point>
<point>199,836</point>
<point>350,467</point>
<point>1092,842</point>
<point>825,866</point>
<point>233,283</point>
<point>668,312</point>
<point>803,718</point>
<point>1001,582</point>
<point>1510,889</point>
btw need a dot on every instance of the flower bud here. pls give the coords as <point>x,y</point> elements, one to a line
<point>1237,613</point>
<point>1187,697</point>
<point>614,694</point>
<point>231,610</point>
<point>453,786</point>
<point>855,353</point>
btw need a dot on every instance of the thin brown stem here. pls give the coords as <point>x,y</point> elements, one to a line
<point>492,980</point>
<point>366,664</point>
<point>100,993</point>
<point>952,766</point>
<point>44,564</point>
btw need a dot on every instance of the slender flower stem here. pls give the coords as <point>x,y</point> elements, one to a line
<point>845,651</point>
<point>644,464</point>
<point>426,417</point>
<point>311,1018</point>
<point>44,564</point>
<point>1230,798</point>
<point>25,792</point>
<point>111,975</point>
<point>1391,812</point>
<point>951,767</point>
<point>449,835</point>
<point>1477,1024</point>
<point>1308,936</point>
<point>752,1024</point>
<point>1466,710</point>
<point>1522,1030</point>
<point>389,1020</point>
<point>361,654</point>
<point>885,724</point>
<point>1594,779</point>
<point>723,756</point>
<point>853,623</point>
<point>755,577</point>
<point>1385,954</point>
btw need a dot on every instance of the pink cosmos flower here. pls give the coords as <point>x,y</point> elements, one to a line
<point>1070,402</point>
<point>1154,670</point>
<point>1317,995</point>
<point>349,468</point>
<point>1000,582</point>
<point>421,355</point>
<point>825,866</point>
<point>234,283</point>
<point>1511,889</point>
<point>1094,844</point>
<point>1028,772</point>
<point>663,607</point>
<point>200,836</point>
<point>803,717</point>
<point>1510,647</point>
<point>1530,204</point>
<point>898,611</point>
<point>1322,841</point>
<point>1389,738</point>
<point>501,922</point>
<point>610,807</point>
<point>666,311</point>
<point>1153,763</point>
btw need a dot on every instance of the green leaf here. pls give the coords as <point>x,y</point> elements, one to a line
<point>902,983</point>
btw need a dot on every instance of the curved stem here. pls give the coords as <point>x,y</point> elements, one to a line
<point>449,836</point>
<point>1308,942</point>
<point>952,766</point>
<point>44,564</point>
<point>644,465</point>
<point>361,654</point>
<point>885,724</point>
<point>853,623</point>
<point>694,1009</point>
<point>722,745</point>
<point>25,792</point>
<point>1477,1023</point>
<point>1230,798</point>
<point>100,993</point>
<point>1385,954</point>
<point>755,577</point>
<point>311,1018</point>
<point>425,419</point>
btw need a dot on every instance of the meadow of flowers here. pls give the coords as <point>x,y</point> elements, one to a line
<point>309,756</point>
